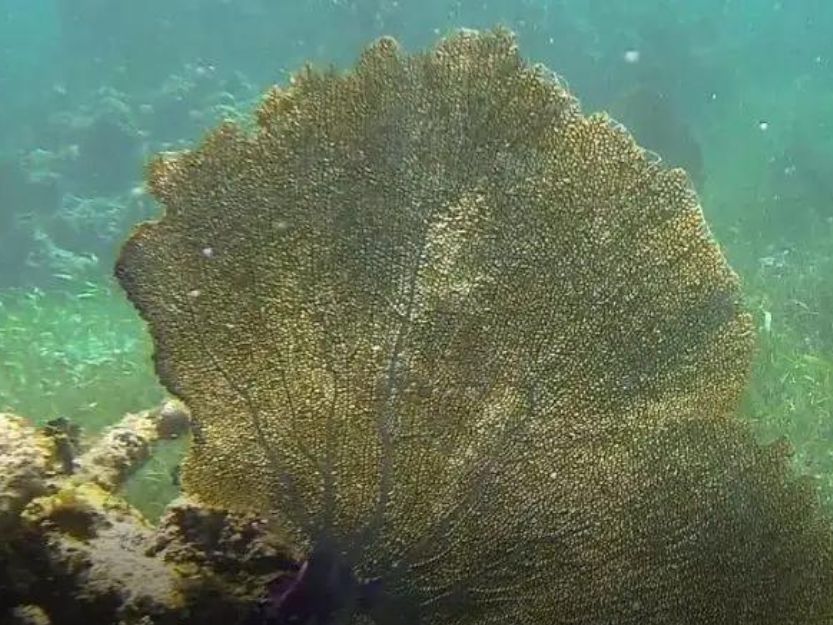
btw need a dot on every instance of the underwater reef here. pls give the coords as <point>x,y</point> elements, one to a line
<point>74,552</point>
<point>467,354</point>
<point>68,203</point>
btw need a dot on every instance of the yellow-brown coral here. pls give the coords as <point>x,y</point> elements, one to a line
<point>430,312</point>
<point>27,462</point>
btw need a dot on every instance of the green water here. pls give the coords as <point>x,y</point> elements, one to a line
<point>740,93</point>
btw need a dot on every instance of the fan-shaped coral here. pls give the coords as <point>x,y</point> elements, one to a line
<point>473,350</point>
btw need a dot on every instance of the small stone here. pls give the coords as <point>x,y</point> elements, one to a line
<point>173,420</point>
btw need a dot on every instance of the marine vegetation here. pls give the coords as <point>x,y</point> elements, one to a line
<point>78,353</point>
<point>474,354</point>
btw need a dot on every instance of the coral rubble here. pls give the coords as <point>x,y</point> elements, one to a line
<point>73,552</point>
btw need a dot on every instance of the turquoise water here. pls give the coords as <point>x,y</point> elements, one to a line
<point>738,93</point>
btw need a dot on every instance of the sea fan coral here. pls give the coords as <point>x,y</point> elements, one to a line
<point>474,353</point>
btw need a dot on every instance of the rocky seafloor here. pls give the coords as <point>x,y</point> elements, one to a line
<point>73,551</point>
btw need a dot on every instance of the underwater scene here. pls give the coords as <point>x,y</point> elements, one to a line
<point>382,312</point>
